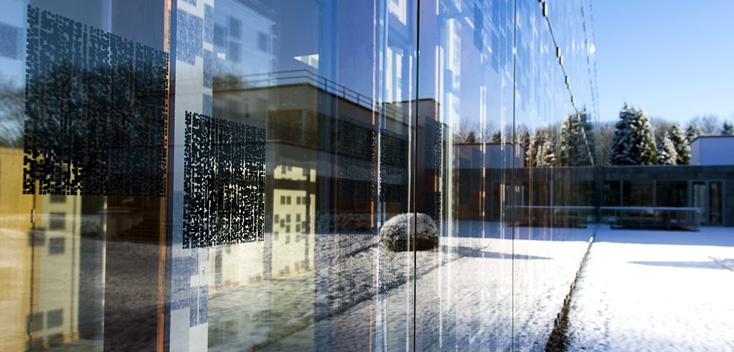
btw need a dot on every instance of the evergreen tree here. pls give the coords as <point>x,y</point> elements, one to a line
<point>693,131</point>
<point>525,144</point>
<point>633,142</point>
<point>618,154</point>
<point>536,148</point>
<point>496,137</point>
<point>666,151</point>
<point>682,147</point>
<point>727,129</point>
<point>549,153</point>
<point>567,140</point>
<point>587,132</point>
<point>545,151</point>
<point>646,145</point>
<point>574,146</point>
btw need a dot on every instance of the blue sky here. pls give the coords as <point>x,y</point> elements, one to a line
<point>673,58</point>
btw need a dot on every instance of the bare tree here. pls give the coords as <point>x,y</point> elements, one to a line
<point>603,134</point>
<point>660,126</point>
<point>470,132</point>
<point>709,124</point>
<point>11,115</point>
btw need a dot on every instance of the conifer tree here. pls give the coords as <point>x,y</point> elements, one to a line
<point>682,147</point>
<point>532,153</point>
<point>549,153</point>
<point>693,131</point>
<point>646,138</point>
<point>621,139</point>
<point>567,141</point>
<point>666,151</point>
<point>525,144</point>
<point>727,129</point>
<point>496,137</point>
<point>587,132</point>
<point>633,142</point>
<point>576,141</point>
<point>545,154</point>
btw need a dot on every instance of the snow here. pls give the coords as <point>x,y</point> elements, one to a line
<point>471,296</point>
<point>655,291</point>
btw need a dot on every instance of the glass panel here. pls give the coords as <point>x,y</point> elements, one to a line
<point>612,194</point>
<point>672,194</point>
<point>467,134</point>
<point>192,175</point>
<point>715,203</point>
<point>699,200</point>
<point>637,194</point>
<point>330,97</point>
<point>87,192</point>
<point>502,113</point>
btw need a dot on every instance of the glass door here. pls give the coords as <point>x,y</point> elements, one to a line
<point>699,200</point>
<point>715,203</point>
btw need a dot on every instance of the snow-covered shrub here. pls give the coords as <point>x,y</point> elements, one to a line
<point>395,232</point>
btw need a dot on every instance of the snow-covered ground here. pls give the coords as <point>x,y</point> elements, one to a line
<point>655,291</point>
<point>472,295</point>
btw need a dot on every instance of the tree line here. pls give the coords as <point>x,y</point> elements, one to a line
<point>634,139</point>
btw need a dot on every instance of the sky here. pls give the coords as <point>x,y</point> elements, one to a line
<point>675,59</point>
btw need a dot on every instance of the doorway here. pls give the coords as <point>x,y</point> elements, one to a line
<point>708,196</point>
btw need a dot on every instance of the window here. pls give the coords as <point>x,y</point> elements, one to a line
<point>219,35</point>
<point>672,194</point>
<point>235,27</point>
<point>57,221</point>
<point>263,42</point>
<point>234,52</point>
<point>637,194</point>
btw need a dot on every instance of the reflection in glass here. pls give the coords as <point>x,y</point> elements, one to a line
<point>194,175</point>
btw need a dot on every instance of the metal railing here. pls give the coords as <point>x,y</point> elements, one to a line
<point>293,77</point>
<point>668,218</point>
<point>544,215</point>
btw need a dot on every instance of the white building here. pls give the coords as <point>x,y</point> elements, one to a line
<point>712,150</point>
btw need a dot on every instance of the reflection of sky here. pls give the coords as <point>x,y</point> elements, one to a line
<point>12,19</point>
<point>344,37</point>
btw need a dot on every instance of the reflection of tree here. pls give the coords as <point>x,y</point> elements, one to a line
<point>470,132</point>
<point>576,142</point>
<point>11,115</point>
<point>228,81</point>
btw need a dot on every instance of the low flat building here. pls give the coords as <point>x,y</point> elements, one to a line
<point>712,150</point>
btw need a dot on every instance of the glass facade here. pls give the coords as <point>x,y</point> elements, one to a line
<point>191,175</point>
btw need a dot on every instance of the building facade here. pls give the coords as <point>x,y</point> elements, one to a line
<point>193,175</point>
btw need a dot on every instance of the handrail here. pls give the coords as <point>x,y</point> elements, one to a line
<point>291,77</point>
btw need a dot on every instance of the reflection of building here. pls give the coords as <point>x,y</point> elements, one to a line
<point>337,152</point>
<point>16,253</point>
<point>49,284</point>
<point>243,39</point>
<point>11,43</point>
